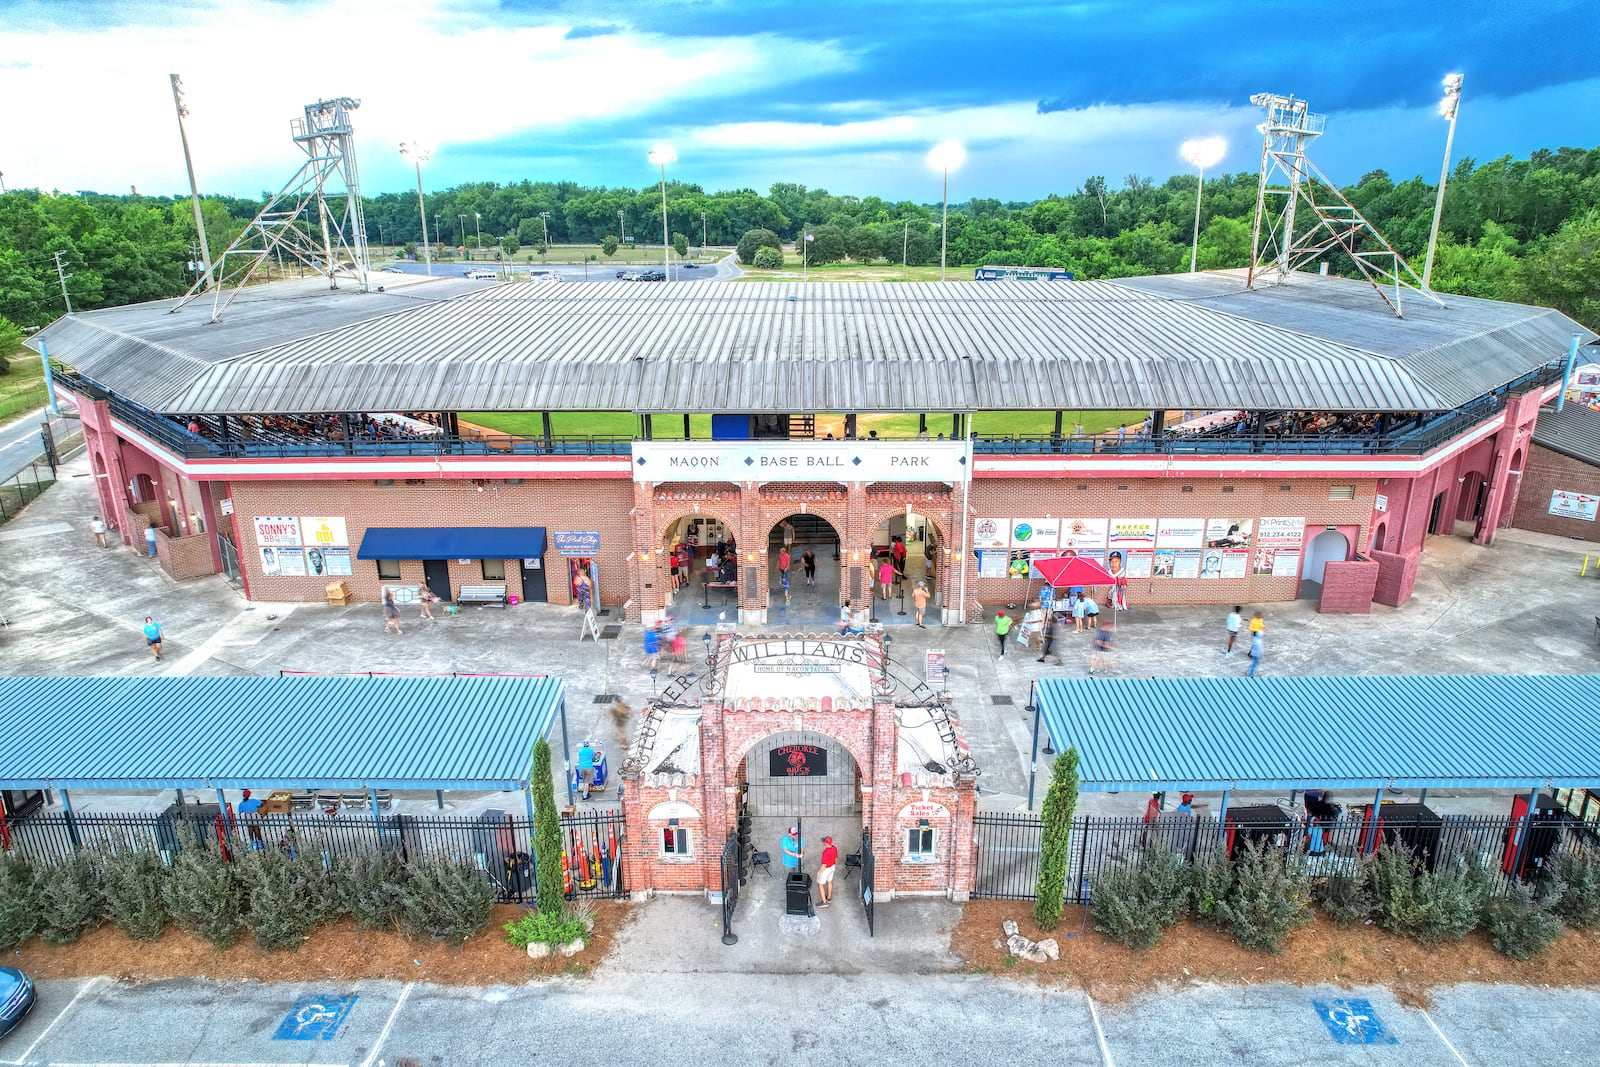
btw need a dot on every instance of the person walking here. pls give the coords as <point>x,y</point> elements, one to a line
<point>897,552</point>
<point>794,849</point>
<point>783,565</point>
<point>1100,658</point>
<point>1002,626</point>
<point>1257,624</point>
<point>808,561</point>
<point>427,600</point>
<point>885,577</point>
<point>652,648</point>
<point>98,528</point>
<point>830,856</point>
<point>391,612</point>
<point>152,636</point>
<point>919,601</point>
<point>583,588</point>
<point>1078,607</point>
<point>788,533</point>
<point>1255,652</point>
<point>1047,638</point>
<point>844,618</point>
<point>1233,630</point>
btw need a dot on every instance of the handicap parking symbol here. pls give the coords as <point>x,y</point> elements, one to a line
<point>314,1018</point>
<point>1353,1022</point>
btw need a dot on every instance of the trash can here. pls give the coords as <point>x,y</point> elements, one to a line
<point>150,539</point>
<point>797,893</point>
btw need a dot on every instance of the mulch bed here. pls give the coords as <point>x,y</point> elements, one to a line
<point>1318,953</point>
<point>338,950</point>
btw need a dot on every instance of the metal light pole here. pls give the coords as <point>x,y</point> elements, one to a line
<point>479,217</point>
<point>661,155</point>
<point>1448,108</point>
<point>702,233</point>
<point>194,190</point>
<point>381,241</point>
<point>1206,152</point>
<point>544,217</point>
<point>462,232</point>
<point>945,157</point>
<point>905,246</point>
<point>622,224</point>
<point>418,154</point>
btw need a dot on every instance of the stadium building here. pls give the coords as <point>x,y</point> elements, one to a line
<point>1268,443</point>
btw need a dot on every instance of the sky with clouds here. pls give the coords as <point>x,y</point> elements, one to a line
<point>849,98</point>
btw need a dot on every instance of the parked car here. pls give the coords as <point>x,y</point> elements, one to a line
<point>622,274</point>
<point>653,276</point>
<point>691,266</point>
<point>481,275</point>
<point>16,998</point>
<point>392,270</point>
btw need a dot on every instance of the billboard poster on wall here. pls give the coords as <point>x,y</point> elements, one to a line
<point>291,562</point>
<point>1084,536</point>
<point>1132,534</point>
<point>1035,533</point>
<point>1275,538</point>
<point>277,531</point>
<point>991,533</point>
<point>1211,563</point>
<point>324,531</point>
<point>1286,564</point>
<point>1180,533</point>
<point>1125,564</point>
<point>1235,563</point>
<point>993,564</point>
<point>269,560</point>
<point>1228,533</point>
<point>1186,563</point>
<point>334,562</point>
<point>1571,505</point>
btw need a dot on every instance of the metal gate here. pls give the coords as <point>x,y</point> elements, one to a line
<point>868,867</point>
<point>231,568</point>
<point>833,792</point>
<point>730,886</point>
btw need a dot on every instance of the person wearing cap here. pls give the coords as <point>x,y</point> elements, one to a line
<point>248,805</point>
<point>794,849</point>
<point>830,856</point>
<point>1186,805</point>
<point>919,600</point>
<point>1002,626</point>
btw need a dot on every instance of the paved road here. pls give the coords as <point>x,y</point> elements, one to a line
<point>722,270</point>
<point>788,1019</point>
<point>20,443</point>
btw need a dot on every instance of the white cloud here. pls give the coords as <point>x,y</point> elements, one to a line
<point>96,111</point>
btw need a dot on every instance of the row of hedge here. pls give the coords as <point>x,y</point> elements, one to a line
<point>1262,896</point>
<point>276,897</point>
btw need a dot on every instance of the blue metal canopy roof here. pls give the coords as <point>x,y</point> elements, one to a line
<point>452,542</point>
<point>1465,731</point>
<point>292,732</point>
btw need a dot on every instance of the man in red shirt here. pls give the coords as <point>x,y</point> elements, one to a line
<point>830,856</point>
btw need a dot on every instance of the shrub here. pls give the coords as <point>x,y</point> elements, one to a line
<point>1208,884</point>
<point>752,240</point>
<point>446,900</point>
<point>1346,895</point>
<point>375,883</point>
<point>286,896</point>
<point>1269,896</point>
<point>545,928</point>
<point>767,258</point>
<point>203,895</point>
<point>1521,924</point>
<point>1578,868</point>
<point>1444,904</point>
<point>1055,837</point>
<point>132,891</point>
<point>19,901</point>
<point>70,903</point>
<point>547,844</point>
<point>1133,903</point>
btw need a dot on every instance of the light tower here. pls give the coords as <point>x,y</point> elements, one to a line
<point>1289,179</point>
<point>320,227</point>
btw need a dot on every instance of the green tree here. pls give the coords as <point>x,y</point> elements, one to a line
<point>510,245</point>
<point>826,245</point>
<point>863,244</point>
<point>1563,271</point>
<point>754,239</point>
<point>609,244</point>
<point>680,245</point>
<point>1055,838</point>
<point>768,258</point>
<point>547,847</point>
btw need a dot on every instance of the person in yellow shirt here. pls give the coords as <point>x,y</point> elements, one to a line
<point>1257,624</point>
<point>1002,626</point>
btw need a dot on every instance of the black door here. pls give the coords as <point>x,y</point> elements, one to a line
<point>436,572</point>
<point>533,591</point>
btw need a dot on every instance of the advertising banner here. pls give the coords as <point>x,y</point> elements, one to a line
<point>1276,540</point>
<point>324,531</point>
<point>1574,505</point>
<point>1211,563</point>
<point>993,564</point>
<point>1228,533</point>
<point>1180,533</point>
<point>1186,563</point>
<point>277,531</point>
<point>576,544</point>
<point>1135,564</point>
<point>1035,533</point>
<point>1235,563</point>
<point>991,533</point>
<point>1132,534</point>
<point>1084,536</point>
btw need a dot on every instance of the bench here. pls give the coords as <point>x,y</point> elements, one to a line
<point>482,594</point>
<point>729,588</point>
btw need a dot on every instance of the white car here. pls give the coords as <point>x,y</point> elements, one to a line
<point>481,275</point>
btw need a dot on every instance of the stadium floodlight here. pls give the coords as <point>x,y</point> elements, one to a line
<point>1201,153</point>
<point>661,155</point>
<point>945,158</point>
<point>1448,106</point>
<point>417,153</point>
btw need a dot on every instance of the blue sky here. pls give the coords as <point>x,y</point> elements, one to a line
<point>847,98</point>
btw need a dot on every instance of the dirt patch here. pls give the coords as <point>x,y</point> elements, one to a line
<point>339,950</point>
<point>1320,952</point>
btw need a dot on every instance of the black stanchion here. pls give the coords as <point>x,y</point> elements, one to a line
<point>706,586</point>
<point>901,585</point>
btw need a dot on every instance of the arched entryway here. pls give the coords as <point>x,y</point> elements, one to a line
<point>812,599</point>
<point>1378,533</point>
<point>1327,547</point>
<point>801,773</point>
<point>693,591</point>
<point>914,546</point>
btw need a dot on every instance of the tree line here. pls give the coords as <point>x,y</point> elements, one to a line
<point>1512,229</point>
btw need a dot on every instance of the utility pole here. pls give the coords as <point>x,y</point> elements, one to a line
<point>194,190</point>
<point>905,245</point>
<point>61,273</point>
<point>544,256</point>
<point>702,233</point>
<point>2,182</point>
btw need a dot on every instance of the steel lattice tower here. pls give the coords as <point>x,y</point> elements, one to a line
<point>315,219</point>
<point>1289,179</point>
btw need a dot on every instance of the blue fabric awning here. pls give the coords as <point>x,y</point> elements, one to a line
<point>452,542</point>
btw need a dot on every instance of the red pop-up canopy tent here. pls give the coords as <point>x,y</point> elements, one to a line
<point>1066,571</point>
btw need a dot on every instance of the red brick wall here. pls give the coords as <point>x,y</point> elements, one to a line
<point>1397,576</point>
<point>1348,587</point>
<point>184,557</point>
<point>1543,472</point>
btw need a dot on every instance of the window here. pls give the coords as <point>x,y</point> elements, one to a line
<point>388,570</point>
<point>675,842</point>
<point>494,570</point>
<point>1341,492</point>
<point>919,844</point>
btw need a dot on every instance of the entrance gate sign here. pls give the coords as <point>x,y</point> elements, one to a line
<point>797,761</point>
<point>799,461</point>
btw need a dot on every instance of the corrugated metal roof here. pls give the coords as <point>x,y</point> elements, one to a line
<point>293,732</point>
<point>1463,731</point>
<point>1573,431</point>
<point>1147,343</point>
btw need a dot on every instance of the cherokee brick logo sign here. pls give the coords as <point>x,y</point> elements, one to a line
<point>797,761</point>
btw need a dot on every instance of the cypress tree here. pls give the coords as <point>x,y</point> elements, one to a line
<point>1055,837</point>
<point>546,832</point>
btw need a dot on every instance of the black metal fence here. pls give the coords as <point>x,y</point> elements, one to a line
<point>496,843</point>
<point>1008,844</point>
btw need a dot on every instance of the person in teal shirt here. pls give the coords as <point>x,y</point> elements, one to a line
<point>794,849</point>
<point>586,768</point>
<point>152,635</point>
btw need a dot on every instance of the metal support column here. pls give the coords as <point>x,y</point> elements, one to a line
<point>566,752</point>
<point>1033,755</point>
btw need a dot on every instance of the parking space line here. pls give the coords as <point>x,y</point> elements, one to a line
<point>1099,1032</point>
<point>1435,1026</point>
<point>62,1014</point>
<point>377,1046</point>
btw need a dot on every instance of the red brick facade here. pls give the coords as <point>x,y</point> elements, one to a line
<point>1544,472</point>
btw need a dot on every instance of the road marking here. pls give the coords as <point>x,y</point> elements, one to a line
<point>1105,1050</point>
<point>1435,1026</point>
<point>377,1046</point>
<point>62,1014</point>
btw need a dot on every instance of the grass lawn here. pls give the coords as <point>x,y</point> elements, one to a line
<point>587,424</point>
<point>889,427</point>
<point>852,272</point>
<point>22,388</point>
